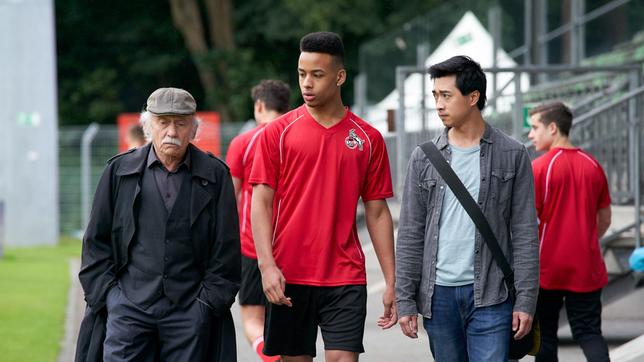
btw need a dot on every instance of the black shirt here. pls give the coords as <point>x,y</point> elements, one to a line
<point>168,183</point>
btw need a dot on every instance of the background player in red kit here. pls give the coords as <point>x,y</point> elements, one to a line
<point>271,100</point>
<point>573,205</point>
<point>311,167</point>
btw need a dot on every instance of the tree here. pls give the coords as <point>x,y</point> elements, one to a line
<point>187,18</point>
<point>112,55</point>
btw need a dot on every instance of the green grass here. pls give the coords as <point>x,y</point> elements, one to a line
<point>34,282</point>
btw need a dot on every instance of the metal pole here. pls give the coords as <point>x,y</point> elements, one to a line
<point>558,68</point>
<point>86,171</point>
<point>527,31</point>
<point>517,128</point>
<point>400,129</point>
<point>577,42</point>
<point>542,30</point>
<point>360,84</point>
<point>573,33</point>
<point>581,32</point>
<point>422,52</point>
<point>634,135</point>
<point>494,27</point>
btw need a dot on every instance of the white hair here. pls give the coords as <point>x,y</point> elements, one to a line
<point>146,122</point>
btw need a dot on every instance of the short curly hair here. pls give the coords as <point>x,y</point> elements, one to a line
<point>274,93</point>
<point>323,42</point>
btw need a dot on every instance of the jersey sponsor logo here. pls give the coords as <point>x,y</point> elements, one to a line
<point>352,141</point>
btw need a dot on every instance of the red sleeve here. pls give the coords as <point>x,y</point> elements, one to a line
<point>377,185</point>
<point>604,194</point>
<point>266,163</point>
<point>235,156</point>
<point>538,187</point>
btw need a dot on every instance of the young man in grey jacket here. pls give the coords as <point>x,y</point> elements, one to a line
<point>444,269</point>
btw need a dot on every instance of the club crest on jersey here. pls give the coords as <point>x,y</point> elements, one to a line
<point>352,141</point>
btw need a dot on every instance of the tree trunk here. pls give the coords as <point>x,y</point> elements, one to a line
<point>187,19</point>
<point>221,25</point>
<point>221,37</point>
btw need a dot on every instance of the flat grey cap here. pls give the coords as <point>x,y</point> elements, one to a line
<point>171,101</point>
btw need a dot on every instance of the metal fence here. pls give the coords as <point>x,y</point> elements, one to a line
<point>531,31</point>
<point>78,179</point>
<point>512,122</point>
<point>610,128</point>
<point>613,134</point>
<point>70,138</point>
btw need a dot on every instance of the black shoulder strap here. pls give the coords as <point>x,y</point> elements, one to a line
<point>472,209</point>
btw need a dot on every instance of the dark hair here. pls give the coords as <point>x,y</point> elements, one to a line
<point>274,93</point>
<point>556,112</point>
<point>469,76</point>
<point>323,42</point>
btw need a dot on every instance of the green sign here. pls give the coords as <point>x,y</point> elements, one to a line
<point>464,39</point>
<point>526,117</point>
<point>30,119</point>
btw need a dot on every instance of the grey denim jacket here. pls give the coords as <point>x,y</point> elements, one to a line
<point>506,197</point>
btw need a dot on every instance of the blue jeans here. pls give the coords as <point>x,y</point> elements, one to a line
<point>460,332</point>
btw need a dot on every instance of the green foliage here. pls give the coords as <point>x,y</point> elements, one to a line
<point>94,96</point>
<point>34,283</point>
<point>356,17</point>
<point>111,55</point>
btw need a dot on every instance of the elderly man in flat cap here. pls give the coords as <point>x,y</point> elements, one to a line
<point>161,253</point>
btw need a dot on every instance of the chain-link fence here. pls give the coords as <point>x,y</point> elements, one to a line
<point>603,27</point>
<point>379,57</point>
<point>103,146</point>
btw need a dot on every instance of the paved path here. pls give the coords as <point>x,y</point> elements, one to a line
<point>624,316</point>
<point>73,314</point>
<point>389,345</point>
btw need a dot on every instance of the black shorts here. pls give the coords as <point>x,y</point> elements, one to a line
<point>339,311</point>
<point>251,291</point>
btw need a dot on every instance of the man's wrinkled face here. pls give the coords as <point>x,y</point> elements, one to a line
<point>172,134</point>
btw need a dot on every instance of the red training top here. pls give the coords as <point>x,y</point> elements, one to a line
<point>570,188</point>
<point>240,160</point>
<point>318,175</point>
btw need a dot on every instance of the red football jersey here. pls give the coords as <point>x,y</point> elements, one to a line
<point>570,188</point>
<point>318,175</point>
<point>240,160</point>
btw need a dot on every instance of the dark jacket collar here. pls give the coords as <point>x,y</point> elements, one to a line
<point>442,140</point>
<point>201,164</point>
<point>135,161</point>
<point>153,159</point>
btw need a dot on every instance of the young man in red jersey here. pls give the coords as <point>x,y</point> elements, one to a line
<point>271,100</point>
<point>573,205</point>
<point>311,167</point>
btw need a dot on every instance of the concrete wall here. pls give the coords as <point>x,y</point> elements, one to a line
<point>28,123</point>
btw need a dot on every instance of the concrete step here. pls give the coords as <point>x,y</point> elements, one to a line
<point>616,255</point>
<point>632,351</point>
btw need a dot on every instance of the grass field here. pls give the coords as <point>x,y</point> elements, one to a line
<point>33,294</point>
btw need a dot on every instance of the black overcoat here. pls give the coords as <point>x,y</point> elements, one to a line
<point>111,229</point>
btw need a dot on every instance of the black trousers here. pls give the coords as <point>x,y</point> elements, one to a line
<point>584,315</point>
<point>163,331</point>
